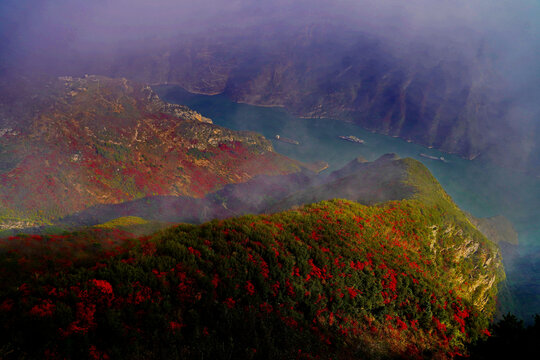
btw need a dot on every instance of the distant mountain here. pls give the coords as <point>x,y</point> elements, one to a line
<point>434,95</point>
<point>71,143</point>
<point>498,228</point>
<point>332,280</point>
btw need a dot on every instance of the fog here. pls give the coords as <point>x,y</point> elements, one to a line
<point>498,40</point>
<point>509,30</point>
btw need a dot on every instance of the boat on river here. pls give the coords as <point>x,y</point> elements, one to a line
<point>287,140</point>
<point>351,138</point>
<point>440,158</point>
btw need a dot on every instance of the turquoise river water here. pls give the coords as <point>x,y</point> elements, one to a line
<point>478,187</point>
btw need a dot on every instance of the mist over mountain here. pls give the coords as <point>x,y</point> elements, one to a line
<point>457,75</point>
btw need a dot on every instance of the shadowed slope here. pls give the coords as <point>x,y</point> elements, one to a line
<point>97,140</point>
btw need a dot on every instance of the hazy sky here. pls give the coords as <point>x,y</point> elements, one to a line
<point>28,21</point>
<point>504,33</point>
<point>49,28</point>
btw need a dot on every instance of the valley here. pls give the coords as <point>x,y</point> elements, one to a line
<point>269,180</point>
<point>83,239</point>
<point>479,187</point>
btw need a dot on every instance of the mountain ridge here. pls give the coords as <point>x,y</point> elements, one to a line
<point>334,279</point>
<point>99,140</point>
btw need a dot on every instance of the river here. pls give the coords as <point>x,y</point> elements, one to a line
<point>479,187</point>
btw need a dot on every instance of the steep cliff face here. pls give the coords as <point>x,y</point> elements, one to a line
<point>92,140</point>
<point>472,261</point>
<point>472,264</point>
